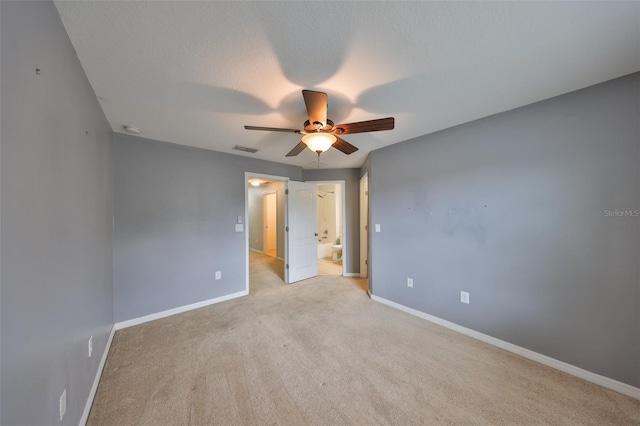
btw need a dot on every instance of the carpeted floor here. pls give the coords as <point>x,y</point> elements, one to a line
<point>326,266</point>
<point>321,352</point>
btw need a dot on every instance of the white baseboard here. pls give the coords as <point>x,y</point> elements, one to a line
<point>351,274</point>
<point>169,312</point>
<point>96,380</point>
<point>603,381</point>
<point>261,252</point>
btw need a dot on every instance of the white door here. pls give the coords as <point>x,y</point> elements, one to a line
<point>302,235</point>
<point>270,224</point>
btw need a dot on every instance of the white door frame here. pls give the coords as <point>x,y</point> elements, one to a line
<point>247,176</point>
<point>343,185</point>
<point>364,229</point>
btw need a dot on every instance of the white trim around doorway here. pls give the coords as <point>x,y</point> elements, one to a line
<point>343,185</point>
<point>247,176</point>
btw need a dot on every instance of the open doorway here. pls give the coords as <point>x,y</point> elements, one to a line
<point>265,229</point>
<point>331,220</point>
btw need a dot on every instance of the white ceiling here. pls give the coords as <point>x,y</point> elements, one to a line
<point>194,73</point>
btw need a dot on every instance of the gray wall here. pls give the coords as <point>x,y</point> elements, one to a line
<point>511,208</point>
<point>352,197</point>
<point>175,213</point>
<point>256,216</point>
<point>56,220</point>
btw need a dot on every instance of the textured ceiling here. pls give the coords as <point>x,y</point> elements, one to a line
<point>194,73</point>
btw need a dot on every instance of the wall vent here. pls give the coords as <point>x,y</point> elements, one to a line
<point>245,149</point>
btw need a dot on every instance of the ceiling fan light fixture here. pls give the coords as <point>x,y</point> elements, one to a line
<point>320,132</point>
<point>255,183</point>
<point>319,142</point>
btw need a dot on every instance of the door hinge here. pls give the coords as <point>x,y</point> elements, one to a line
<point>286,229</point>
<point>366,228</point>
<point>287,266</point>
<point>366,261</point>
<point>286,192</point>
<point>366,192</point>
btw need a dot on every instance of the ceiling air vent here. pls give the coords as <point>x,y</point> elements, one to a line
<point>245,149</point>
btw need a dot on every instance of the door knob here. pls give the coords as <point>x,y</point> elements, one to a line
<point>316,234</point>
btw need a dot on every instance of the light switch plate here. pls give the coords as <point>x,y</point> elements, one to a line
<point>239,227</point>
<point>377,227</point>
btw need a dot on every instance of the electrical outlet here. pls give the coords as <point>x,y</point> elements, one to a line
<point>218,275</point>
<point>410,282</point>
<point>464,297</point>
<point>90,346</point>
<point>63,403</point>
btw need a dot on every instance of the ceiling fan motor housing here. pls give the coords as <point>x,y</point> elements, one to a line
<point>317,126</point>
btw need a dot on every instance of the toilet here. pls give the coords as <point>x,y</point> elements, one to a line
<point>336,250</point>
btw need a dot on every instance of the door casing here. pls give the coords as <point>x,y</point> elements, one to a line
<point>364,226</point>
<point>345,241</point>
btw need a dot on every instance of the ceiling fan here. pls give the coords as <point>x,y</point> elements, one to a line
<point>320,133</point>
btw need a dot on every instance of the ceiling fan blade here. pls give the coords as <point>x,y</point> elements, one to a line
<point>316,103</point>
<point>272,129</point>
<point>344,146</point>
<point>365,126</point>
<point>297,149</point>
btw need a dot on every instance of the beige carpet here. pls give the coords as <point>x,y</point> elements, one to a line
<point>321,352</point>
<point>326,266</point>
